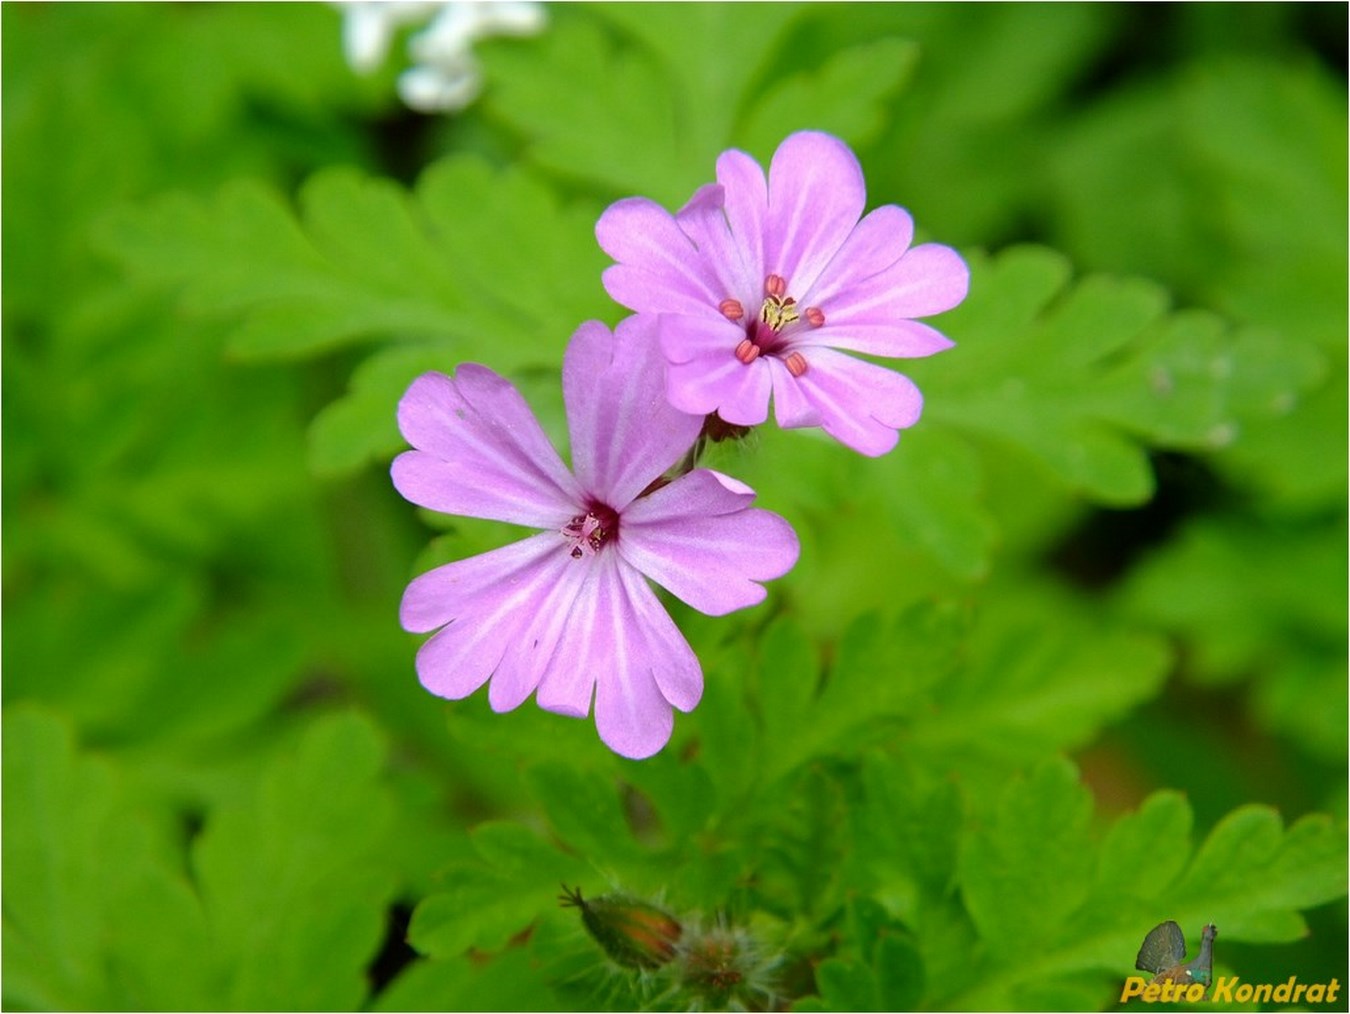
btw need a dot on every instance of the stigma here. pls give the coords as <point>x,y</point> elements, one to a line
<point>588,533</point>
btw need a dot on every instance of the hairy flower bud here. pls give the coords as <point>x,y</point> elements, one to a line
<point>632,932</point>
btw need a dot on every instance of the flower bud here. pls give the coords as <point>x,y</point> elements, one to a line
<point>632,932</point>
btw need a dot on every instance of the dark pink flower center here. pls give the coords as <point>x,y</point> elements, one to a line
<point>588,533</point>
<point>771,332</point>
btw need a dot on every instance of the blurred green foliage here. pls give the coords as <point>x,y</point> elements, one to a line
<point>1069,662</point>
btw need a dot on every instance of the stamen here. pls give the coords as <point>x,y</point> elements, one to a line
<point>796,364</point>
<point>747,351</point>
<point>815,316</point>
<point>731,309</point>
<point>778,313</point>
<point>775,285</point>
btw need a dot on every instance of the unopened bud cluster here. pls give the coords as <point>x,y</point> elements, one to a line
<point>715,968</point>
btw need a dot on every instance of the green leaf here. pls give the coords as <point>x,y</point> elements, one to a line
<point>483,904</point>
<point>509,981</point>
<point>1084,378</point>
<point>96,906</point>
<point>884,972</point>
<point>293,878</point>
<point>1029,683</point>
<point>475,265</point>
<point>1035,845</point>
<point>847,96</point>
<point>673,107</point>
<point>1259,601</point>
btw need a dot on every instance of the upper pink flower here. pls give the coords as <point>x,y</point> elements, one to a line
<point>759,283</point>
<point>567,613</point>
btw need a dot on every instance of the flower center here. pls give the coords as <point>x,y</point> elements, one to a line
<point>771,333</point>
<point>588,533</point>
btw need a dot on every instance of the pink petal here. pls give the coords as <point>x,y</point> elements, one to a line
<point>659,269</point>
<point>704,220</point>
<point>721,383</point>
<point>624,432</point>
<point>435,598</point>
<point>548,620</point>
<point>875,243</point>
<point>644,654</point>
<point>861,404</point>
<point>584,653</point>
<point>609,650</point>
<point>790,406</point>
<point>674,665</point>
<point>460,658</point>
<point>928,279</point>
<point>746,199</point>
<point>816,196</point>
<point>480,452</point>
<point>699,539</point>
<point>683,338</point>
<point>900,339</point>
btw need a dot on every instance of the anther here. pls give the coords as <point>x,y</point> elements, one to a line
<point>747,351</point>
<point>731,309</point>
<point>814,316</point>
<point>775,285</point>
<point>796,364</point>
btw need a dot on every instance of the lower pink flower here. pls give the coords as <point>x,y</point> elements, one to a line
<point>567,614</point>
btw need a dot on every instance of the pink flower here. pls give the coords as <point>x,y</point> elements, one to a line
<point>760,283</point>
<point>567,614</point>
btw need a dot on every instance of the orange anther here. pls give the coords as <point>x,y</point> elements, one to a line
<point>796,364</point>
<point>731,309</point>
<point>775,285</point>
<point>814,316</point>
<point>747,351</point>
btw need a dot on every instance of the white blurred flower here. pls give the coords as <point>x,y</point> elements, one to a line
<point>445,76</point>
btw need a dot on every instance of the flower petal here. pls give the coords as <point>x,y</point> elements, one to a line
<point>629,650</point>
<point>790,406</point>
<point>816,196</point>
<point>464,654</point>
<point>704,221</point>
<point>861,404</point>
<point>875,243</point>
<point>719,382</point>
<point>746,201</point>
<point>674,665</point>
<point>659,269</point>
<point>699,539</point>
<point>901,339</point>
<point>548,620</point>
<point>480,452</point>
<point>683,337</point>
<point>624,431</point>
<point>928,279</point>
<point>454,589</point>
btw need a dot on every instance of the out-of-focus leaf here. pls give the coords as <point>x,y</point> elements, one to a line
<point>673,107</point>
<point>1247,204</point>
<point>1035,845</point>
<point>1259,601</point>
<point>96,906</point>
<point>485,903</point>
<point>294,880</point>
<point>868,74</point>
<point>509,981</point>
<point>1083,377</point>
<point>476,265</point>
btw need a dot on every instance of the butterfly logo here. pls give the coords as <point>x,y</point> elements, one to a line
<point>1164,949</point>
